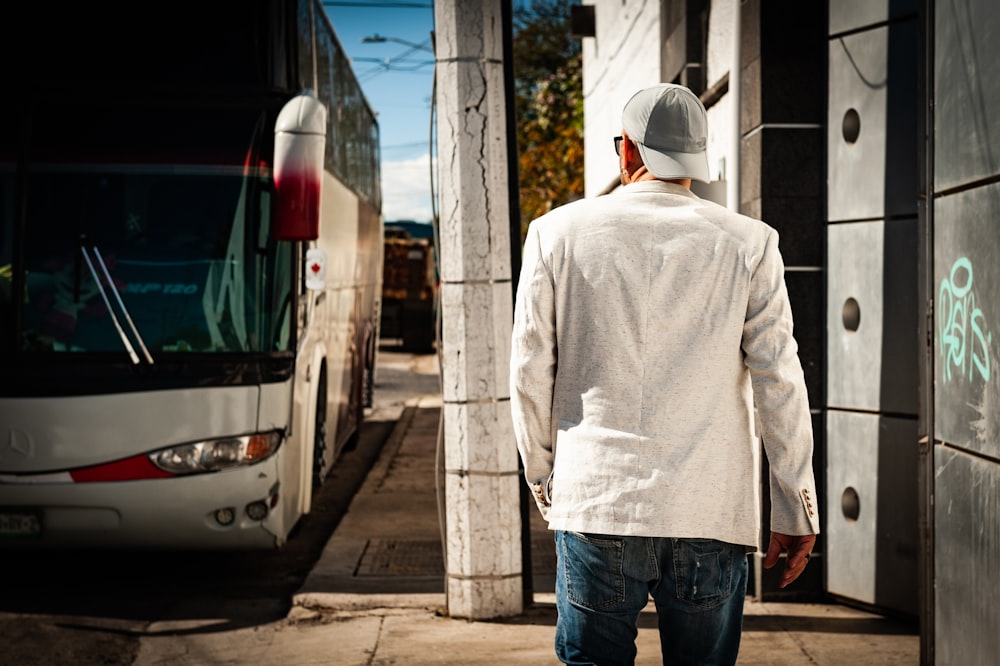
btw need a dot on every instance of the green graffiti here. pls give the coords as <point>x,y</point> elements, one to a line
<point>965,346</point>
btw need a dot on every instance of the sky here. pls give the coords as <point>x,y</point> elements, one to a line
<point>397,79</point>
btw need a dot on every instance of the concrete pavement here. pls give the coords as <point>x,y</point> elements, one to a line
<point>376,595</point>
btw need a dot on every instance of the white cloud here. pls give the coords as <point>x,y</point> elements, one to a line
<point>406,190</point>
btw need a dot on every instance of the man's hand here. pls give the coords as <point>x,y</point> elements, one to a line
<point>798,548</point>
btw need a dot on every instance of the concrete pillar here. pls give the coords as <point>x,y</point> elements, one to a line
<point>483,546</point>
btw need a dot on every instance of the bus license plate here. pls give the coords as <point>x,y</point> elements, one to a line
<point>20,524</point>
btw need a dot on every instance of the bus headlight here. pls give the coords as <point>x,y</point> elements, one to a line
<point>216,454</point>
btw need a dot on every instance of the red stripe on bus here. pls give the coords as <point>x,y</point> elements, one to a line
<point>130,469</point>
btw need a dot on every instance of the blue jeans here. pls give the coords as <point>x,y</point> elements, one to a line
<point>603,582</point>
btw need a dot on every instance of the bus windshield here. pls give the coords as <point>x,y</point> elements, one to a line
<point>155,247</point>
<point>174,259</point>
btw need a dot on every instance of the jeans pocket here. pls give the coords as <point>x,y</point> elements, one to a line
<point>591,566</point>
<point>704,570</point>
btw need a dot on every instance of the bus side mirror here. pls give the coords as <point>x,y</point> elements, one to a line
<point>299,146</point>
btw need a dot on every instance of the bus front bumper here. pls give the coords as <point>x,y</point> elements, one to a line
<point>231,509</point>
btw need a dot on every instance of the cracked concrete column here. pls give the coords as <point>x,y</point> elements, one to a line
<point>484,577</point>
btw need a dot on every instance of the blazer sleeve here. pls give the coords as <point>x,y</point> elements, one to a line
<point>771,354</point>
<point>533,368</point>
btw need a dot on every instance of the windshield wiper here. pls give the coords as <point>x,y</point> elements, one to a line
<point>121,304</point>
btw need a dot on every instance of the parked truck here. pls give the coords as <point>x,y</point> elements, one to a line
<point>410,285</point>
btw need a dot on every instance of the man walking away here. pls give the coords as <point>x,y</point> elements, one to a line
<point>648,325</point>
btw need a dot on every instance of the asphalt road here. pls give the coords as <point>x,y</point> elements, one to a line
<point>95,606</point>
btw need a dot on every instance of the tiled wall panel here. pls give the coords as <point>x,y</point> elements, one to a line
<point>871,505</point>
<point>871,317</point>
<point>967,92</point>
<point>967,320</point>
<point>872,163</point>
<point>967,553</point>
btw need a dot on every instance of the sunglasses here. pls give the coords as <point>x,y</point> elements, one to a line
<point>618,144</point>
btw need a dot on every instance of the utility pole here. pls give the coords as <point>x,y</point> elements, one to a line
<point>483,522</point>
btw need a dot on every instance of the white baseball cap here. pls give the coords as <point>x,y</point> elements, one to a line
<point>669,124</point>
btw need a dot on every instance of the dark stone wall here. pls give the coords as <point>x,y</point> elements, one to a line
<point>684,35</point>
<point>783,182</point>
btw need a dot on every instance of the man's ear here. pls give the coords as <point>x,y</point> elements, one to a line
<point>631,152</point>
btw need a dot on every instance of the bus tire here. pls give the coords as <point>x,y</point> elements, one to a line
<point>357,405</point>
<point>319,434</point>
<point>369,373</point>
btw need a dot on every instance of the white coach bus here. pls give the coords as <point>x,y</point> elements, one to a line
<point>190,272</point>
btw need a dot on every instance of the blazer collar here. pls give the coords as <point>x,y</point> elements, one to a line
<point>656,186</point>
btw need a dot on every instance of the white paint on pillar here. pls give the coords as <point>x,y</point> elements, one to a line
<point>483,522</point>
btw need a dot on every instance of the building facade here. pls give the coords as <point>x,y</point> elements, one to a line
<point>862,130</point>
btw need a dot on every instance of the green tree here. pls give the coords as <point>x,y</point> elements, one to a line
<point>548,87</point>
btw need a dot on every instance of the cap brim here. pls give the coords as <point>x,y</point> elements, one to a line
<point>675,165</point>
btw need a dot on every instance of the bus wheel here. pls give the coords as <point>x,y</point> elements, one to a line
<point>319,438</point>
<point>356,405</point>
<point>369,375</point>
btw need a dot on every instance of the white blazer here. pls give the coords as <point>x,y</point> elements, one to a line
<point>647,324</point>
